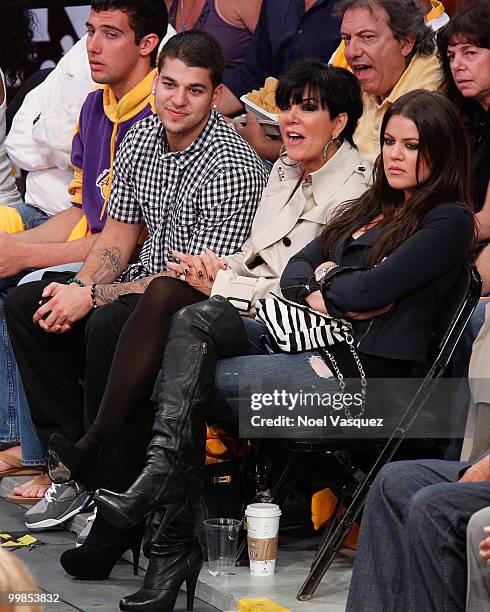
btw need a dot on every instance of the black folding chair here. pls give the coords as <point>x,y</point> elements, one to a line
<point>305,454</point>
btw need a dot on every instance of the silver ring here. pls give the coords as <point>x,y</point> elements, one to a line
<point>182,277</point>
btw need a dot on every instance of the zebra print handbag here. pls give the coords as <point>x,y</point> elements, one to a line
<point>295,328</point>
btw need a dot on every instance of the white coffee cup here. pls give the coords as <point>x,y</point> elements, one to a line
<point>262,527</point>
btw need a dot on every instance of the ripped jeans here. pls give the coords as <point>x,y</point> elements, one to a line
<point>305,371</point>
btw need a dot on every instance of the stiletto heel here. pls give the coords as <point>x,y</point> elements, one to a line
<point>167,571</point>
<point>191,583</point>
<point>136,550</point>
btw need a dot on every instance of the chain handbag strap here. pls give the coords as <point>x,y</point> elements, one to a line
<point>340,377</point>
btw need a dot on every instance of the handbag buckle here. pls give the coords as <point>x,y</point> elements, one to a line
<point>222,479</point>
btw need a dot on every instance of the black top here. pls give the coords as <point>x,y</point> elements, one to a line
<point>416,277</point>
<point>480,159</point>
<point>285,34</point>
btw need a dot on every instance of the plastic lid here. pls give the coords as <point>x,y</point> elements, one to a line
<point>263,510</point>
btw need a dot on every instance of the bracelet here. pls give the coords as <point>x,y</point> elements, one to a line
<point>75,280</point>
<point>92,295</point>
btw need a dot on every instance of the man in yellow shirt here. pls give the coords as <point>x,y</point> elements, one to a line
<point>435,17</point>
<point>391,51</point>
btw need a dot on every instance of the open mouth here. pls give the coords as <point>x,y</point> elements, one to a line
<point>294,137</point>
<point>362,70</point>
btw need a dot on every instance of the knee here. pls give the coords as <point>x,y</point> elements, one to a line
<point>476,524</point>
<point>214,319</point>
<point>437,508</point>
<point>387,484</point>
<point>23,301</point>
<point>162,290</point>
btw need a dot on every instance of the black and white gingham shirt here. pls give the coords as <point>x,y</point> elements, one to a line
<point>202,197</point>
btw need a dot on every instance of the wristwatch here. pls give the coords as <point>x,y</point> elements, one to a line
<point>316,280</point>
<point>321,273</point>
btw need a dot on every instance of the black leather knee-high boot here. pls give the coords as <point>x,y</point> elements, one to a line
<point>200,334</point>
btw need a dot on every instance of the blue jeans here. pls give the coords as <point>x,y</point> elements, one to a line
<point>411,554</point>
<point>15,418</point>
<point>289,371</point>
<point>30,215</point>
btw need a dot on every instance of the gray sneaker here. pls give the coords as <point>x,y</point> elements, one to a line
<point>82,536</point>
<point>60,503</point>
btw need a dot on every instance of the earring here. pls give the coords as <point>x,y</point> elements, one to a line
<point>153,91</point>
<point>283,156</point>
<point>214,107</point>
<point>332,142</point>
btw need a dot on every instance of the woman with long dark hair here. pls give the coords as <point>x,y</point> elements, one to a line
<point>388,260</point>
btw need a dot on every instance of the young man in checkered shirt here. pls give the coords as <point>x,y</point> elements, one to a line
<point>187,176</point>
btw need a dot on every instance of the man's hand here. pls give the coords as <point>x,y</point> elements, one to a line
<point>199,271</point>
<point>478,472</point>
<point>66,305</point>
<point>485,546</point>
<point>254,134</point>
<point>12,255</point>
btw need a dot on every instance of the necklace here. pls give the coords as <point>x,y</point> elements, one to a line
<point>183,17</point>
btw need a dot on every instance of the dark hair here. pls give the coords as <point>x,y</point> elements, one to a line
<point>145,17</point>
<point>197,49</point>
<point>443,147</point>
<point>338,90</point>
<point>404,18</point>
<point>15,38</point>
<point>470,25</point>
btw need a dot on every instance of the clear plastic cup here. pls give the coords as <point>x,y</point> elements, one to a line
<point>222,539</point>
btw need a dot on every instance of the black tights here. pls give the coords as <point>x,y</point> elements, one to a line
<point>139,353</point>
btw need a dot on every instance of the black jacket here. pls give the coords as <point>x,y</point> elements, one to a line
<point>417,277</point>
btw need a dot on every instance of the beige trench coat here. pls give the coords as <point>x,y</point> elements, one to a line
<point>281,228</point>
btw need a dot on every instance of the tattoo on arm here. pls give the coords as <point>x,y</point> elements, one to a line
<point>110,266</point>
<point>105,294</point>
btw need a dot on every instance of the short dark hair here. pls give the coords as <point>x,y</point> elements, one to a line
<point>145,17</point>
<point>404,18</point>
<point>470,25</point>
<point>197,49</point>
<point>337,89</point>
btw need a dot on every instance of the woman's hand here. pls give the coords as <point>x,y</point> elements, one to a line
<point>315,300</point>
<point>199,271</point>
<point>363,316</point>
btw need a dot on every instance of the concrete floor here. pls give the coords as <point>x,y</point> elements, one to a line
<point>213,593</point>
